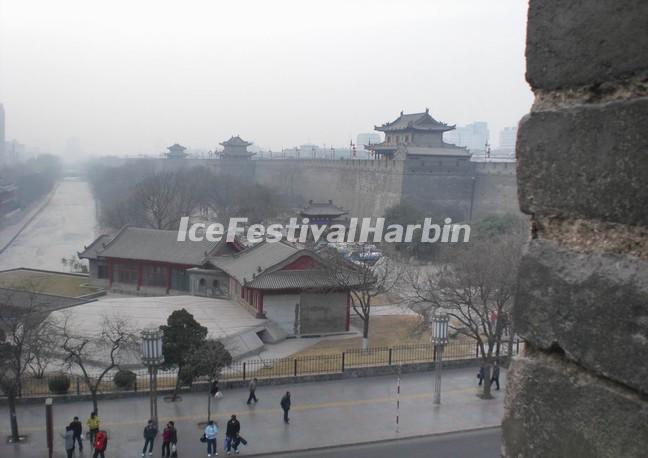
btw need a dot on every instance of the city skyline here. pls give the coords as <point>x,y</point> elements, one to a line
<point>134,79</point>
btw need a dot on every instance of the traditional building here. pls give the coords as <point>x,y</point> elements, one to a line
<point>322,213</point>
<point>295,288</point>
<point>416,135</point>
<point>176,151</point>
<point>236,148</point>
<point>147,261</point>
<point>235,159</point>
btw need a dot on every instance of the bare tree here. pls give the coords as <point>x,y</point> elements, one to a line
<point>160,200</point>
<point>475,286</point>
<point>103,351</point>
<point>22,326</point>
<point>365,281</point>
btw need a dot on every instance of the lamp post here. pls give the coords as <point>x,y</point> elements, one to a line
<point>152,357</point>
<point>439,324</point>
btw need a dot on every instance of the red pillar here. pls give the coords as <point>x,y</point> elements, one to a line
<point>260,303</point>
<point>110,273</point>
<point>168,279</point>
<point>139,275</point>
<point>348,312</point>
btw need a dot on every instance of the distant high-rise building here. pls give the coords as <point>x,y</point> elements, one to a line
<point>368,138</point>
<point>507,138</point>
<point>473,136</point>
<point>2,135</point>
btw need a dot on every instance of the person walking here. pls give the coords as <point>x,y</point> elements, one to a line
<point>215,391</point>
<point>100,444</point>
<point>150,431</point>
<point>480,375</point>
<point>77,429</point>
<point>285,405</point>
<point>211,431</point>
<point>68,437</point>
<point>169,439</point>
<point>232,435</point>
<point>93,426</point>
<point>495,377</point>
<point>252,388</point>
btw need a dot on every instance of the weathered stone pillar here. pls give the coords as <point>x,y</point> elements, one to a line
<point>581,390</point>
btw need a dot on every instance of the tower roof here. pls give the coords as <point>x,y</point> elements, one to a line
<point>415,121</point>
<point>176,147</point>
<point>236,141</point>
<point>176,151</point>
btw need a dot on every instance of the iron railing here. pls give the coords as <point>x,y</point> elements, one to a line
<point>316,364</point>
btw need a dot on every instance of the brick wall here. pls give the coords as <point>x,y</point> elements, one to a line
<point>583,284</point>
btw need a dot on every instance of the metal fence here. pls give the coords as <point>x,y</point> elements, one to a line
<point>317,364</point>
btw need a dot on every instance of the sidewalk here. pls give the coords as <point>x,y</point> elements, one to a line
<point>323,414</point>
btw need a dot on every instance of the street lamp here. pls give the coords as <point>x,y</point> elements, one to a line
<point>439,324</point>
<point>152,357</point>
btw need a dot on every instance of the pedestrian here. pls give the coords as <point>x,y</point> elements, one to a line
<point>100,444</point>
<point>232,435</point>
<point>169,439</point>
<point>495,377</point>
<point>252,387</point>
<point>285,405</point>
<point>150,431</point>
<point>211,431</point>
<point>69,441</point>
<point>215,391</point>
<point>93,426</point>
<point>77,429</point>
<point>480,375</point>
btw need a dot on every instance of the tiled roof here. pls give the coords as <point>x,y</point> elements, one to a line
<point>418,121</point>
<point>446,150</point>
<point>156,245</point>
<point>322,209</point>
<point>246,265</point>
<point>90,252</point>
<point>236,141</point>
<point>298,279</point>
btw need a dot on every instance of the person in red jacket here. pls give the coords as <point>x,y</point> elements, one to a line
<point>100,444</point>
<point>169,439</point>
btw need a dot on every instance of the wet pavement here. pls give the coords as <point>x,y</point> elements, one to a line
<point>323,414</point>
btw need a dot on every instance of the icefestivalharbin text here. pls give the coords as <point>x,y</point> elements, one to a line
<point>358,230</point>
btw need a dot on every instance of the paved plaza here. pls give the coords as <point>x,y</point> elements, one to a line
<point>323,414</point>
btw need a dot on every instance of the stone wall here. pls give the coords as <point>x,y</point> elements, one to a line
<point>582,305</point>
<point>368,187</point>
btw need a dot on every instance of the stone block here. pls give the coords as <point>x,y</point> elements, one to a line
<point>555,409</point>
<point>581,42</point>
<point>593,306</point>
<point>588,161</point>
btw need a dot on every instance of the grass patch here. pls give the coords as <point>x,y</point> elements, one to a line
<point>59,284</point>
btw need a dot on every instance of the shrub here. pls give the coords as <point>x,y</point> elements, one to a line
<point>59,383</point>
<point>125,379</point>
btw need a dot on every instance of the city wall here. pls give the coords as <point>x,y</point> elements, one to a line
<point>582,296</point>
<point>368,187</point>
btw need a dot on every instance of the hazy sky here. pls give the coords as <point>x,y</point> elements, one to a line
<point>133,76</point>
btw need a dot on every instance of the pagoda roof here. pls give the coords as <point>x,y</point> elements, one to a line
<point>137,243</point>
<point>322,209</point>
<point>415,121</point>
<point>236,141</point>
<point>176,147</point>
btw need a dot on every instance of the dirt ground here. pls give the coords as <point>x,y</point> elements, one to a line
<point>384,331</point>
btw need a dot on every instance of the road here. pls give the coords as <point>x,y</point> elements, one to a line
<point>323,414</point>
<point>59,231</point>
<point>483,443</point>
